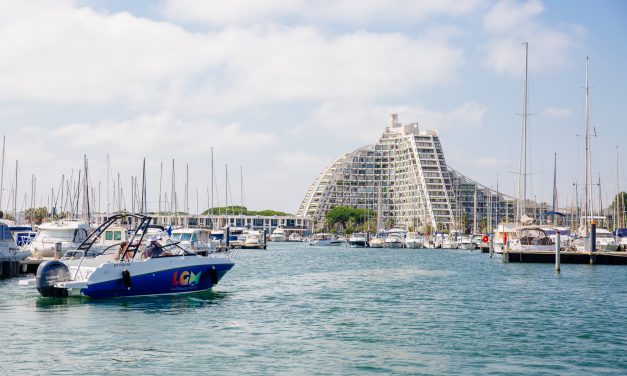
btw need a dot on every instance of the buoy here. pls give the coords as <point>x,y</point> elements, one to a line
<point>126,277</point>
<point>485,238</point>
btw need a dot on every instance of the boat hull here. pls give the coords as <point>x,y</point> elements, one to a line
<point>143,278</point>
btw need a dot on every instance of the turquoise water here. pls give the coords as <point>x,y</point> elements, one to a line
<point>297,309</point>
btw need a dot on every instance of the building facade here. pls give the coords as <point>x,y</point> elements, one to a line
<point>405,179</point>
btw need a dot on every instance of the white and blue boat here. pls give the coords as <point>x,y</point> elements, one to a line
<point>107,273</point>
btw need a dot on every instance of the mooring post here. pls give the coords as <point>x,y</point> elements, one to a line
<point>491,245</point>
<point>264,240</point>
<point>227,235</point>
<point>557,250</point>
<point>367,239</point>
<point>593,241</point>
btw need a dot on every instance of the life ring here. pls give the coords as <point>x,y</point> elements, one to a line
<point>485,238</point>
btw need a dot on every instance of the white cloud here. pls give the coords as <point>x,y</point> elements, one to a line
<point>55,52</point>
<point>215,12</point>
<point>508,23</point>
<point>557,112</point>
<point>364,121</point>
<point>76,55</point>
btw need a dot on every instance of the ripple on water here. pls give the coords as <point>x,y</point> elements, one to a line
<point>296,309</point>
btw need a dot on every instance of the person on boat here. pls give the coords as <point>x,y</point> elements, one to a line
<point>153,249</point>
<point>122,254</point>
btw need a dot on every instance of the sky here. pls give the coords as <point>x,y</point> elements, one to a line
<point>279,89</point>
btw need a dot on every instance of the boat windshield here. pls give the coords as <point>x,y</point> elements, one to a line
<point>5,234</point>
<point>183,236</point>
<point>60,234</point>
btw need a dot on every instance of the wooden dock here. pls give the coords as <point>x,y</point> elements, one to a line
<point>567,257</point>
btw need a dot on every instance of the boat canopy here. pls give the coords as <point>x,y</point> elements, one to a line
<point>5,233</point>
<point>620,232</point>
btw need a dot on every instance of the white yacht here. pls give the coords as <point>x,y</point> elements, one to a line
<point>278,235</point>
<point>358,240</point>
<point>448,242</point>
<point>8,247</point>
<point>395,239</point>
<point>294,237</point>
<point>465,242</point>
<point>324,239</point>
<point>605,241</point>
<point>252,239</point>
<point>414,240</point>
<point>531,238</point>
<point>68,233</point>
<point>195,239</point>
<point>377,242</point>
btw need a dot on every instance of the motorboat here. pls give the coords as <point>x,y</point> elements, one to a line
<point>531,238</point>
<point>448,242</point>
<point>249,239</point>
<point>395,239</point>
<point>465,243</point>
<point>414,240</point>
<point>66,234</point>
<point>171,270</point>
<point>294,237</point>
<point>278,235</point>
<point>620,235</point>
<point>9,249</point>
<point>605,241</point>
<point>324,239</point>
<point>195,239</point>
<point>377,242</point>
<point>358,240</point>
<point>23,235</point>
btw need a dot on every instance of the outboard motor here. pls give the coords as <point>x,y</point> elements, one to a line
<point>49,273</point>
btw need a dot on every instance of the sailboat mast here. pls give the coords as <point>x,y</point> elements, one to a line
<point>553,208</point>
<point>160,184</point>
<point>2,171</point>
<point>616,204</point>
<point>522,179</point>
<point>15,193</point>
<point>588,172</point>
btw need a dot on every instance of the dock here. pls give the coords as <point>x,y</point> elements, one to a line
<point>567,257</point>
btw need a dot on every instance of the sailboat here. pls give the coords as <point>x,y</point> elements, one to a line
<point>527,236</point>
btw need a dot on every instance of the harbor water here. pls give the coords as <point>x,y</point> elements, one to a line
<point>297,309</point>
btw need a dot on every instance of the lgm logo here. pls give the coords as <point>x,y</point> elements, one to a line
<point>185,278</point>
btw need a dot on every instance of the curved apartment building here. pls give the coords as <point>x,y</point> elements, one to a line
<point>405,179</point>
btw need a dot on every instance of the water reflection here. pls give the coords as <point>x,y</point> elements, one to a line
<point>165,304</point>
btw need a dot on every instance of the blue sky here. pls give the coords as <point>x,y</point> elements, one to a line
<point>282,88</point>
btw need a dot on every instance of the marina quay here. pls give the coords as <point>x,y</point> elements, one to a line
<point>290,223</point>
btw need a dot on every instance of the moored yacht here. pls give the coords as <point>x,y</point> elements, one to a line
<point>324,239</point>
<point>395,239</point>
<point>278,235</point>
<point>8,247</point>
<point>196,239</point>
<point>68,233</point>
<point>605,241</point>
<point>414,240</point>
<point>358,240</point>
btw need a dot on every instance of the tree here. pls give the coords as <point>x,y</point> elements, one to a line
<point>35,215</point>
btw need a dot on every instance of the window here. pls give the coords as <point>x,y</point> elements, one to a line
<point>108,235</point>
<point>117,235</point>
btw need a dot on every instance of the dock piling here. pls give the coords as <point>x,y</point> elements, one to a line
<point>557,250</point>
